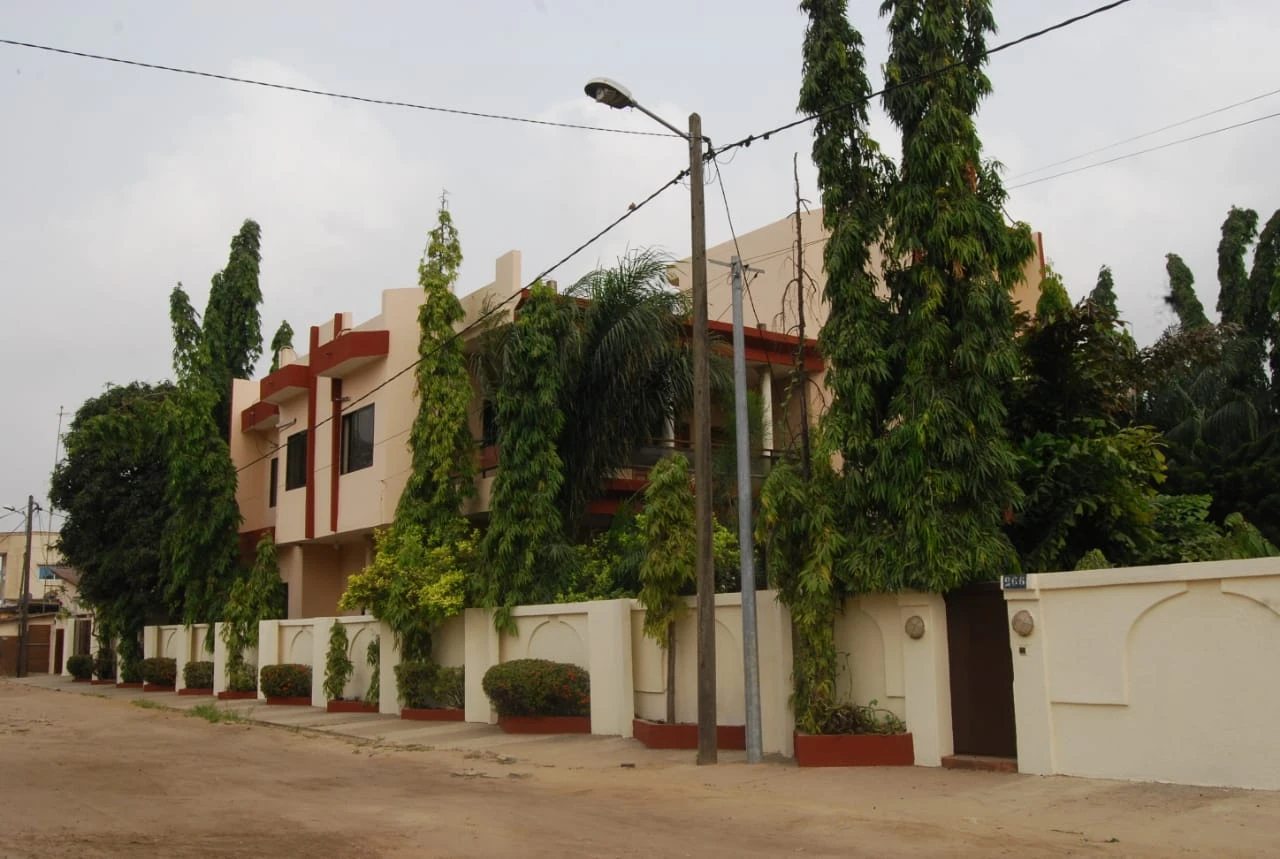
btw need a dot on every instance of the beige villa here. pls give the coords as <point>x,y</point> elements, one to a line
<point>321,443</point>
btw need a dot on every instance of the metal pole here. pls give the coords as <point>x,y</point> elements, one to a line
<point>750,648</point>
<point>704,568</point>
<point>25,593</point>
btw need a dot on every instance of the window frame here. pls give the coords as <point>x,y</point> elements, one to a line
<point>273,489</point>
<point>291,479</point>
<point>354,421</point>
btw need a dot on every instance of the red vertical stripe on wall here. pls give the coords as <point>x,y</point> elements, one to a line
<point>336,459</point>
<point>312,382</point>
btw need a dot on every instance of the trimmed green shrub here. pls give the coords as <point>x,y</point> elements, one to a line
<point>373,656</point>
<point>160,671</point>
<point>450,687</point>
<point>538,687</point>
<point>130,671</point>
<point>242,677</point>
<point>286,681</point>
<point>80,666</point>
<point>104,665</point>
<point>338,667</point>
<point>198,675</point>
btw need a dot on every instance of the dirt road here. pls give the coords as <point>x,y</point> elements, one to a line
<point>84,776</point>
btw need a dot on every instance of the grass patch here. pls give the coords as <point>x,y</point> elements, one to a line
<point>211,713</point>
<point>148,705</point>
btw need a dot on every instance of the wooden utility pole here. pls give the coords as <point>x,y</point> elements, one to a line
<point>704,568</point>
<point>25,593</point>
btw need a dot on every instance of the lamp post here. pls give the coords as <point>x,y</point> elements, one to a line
<point>617,96</point>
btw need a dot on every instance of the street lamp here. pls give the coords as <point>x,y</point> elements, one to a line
<point>618,97</point>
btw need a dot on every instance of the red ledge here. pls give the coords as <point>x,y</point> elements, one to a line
<point>157,687</point>
<point>545,724</point>
<point>433,714</point>
<point>683,735</point>
<point>81,680</point>
<point>228,695</point>
<point>349,707</point>
<point>854,750</point>
<point>190,690</point>
<point>259,416</point>
<point>290,701</point>
<point>129,685</point>
<point>291,380</point>
<point>103,682</point>
<point>349,351</point>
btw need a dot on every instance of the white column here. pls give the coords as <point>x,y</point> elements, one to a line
<point>777,718</point>
<point>319,656</point>
<point>388,659</point>
<point>926,677</point>
<point>1032,712</point>
<point>482,653</point>
<point>613,699</point>
<point>766,407</point>
<point>268,648</point>
<point>219,660</point>
<point>183,655</point>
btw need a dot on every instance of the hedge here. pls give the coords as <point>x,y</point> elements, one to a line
<point>131,671</point>
<point>160,670</point>
<point>538,687</point>
<point>80,666</point>
<point>286,681</point>
<point>198,675</point>
<point>423,684</point>
<point>104,665</point>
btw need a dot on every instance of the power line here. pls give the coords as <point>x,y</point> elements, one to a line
<point>887,88</point>
<point>327,93</point>
<point>1129,155</point>
<point>1146,134</point>
<point>491,312</point>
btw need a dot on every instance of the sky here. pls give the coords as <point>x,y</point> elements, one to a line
<point>119,182</point>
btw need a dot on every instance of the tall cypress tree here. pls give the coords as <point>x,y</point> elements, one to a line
<point>1264,294</point>
<point>232,324</point>
<point>944,477</point>
<point>1238,232</point>
<point>1104,292</point>
<point>283,339</point>
<point>441,442</point>
<point>1182,294</point>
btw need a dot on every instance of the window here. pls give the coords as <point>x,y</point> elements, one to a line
<point>295,461</point>
<point>45,574</point>
<point>357,440</point>
<point>275,481</point>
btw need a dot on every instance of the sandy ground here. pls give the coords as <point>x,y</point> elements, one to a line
<point>86,772</point>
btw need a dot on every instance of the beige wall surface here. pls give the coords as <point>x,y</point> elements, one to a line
<point>43,551</point>
<point>1154,673</point>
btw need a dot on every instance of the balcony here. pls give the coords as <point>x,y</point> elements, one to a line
<point>259,416</point>
<point>291,380</point>
<point>350,351</point>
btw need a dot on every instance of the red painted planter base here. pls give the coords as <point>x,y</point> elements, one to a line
<point>855,750</point>
<point>290,701</point>
<point>129,685</point>
<point>350,707</point>
<point>156,687</point>
<point>81,680</point>
<point>228,695</point>
<point>433,714</point>
<point>683,735</point>
<point>545,724</point>
<point>190,690</point>
<point>103,682</point>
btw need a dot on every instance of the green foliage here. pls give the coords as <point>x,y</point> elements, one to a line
<point>241,675</point>
<point>110,485</point>
<point>291,680</point>
<point>213,714</point>
<point>1243,540</point>
<point>608,565</point>
<point>1238,232</point>
<point>80,666</point>
<point>412,585</point>
<point>104,665</point>
<point>232,327</point>
<point>337,665</point>
<point>668,568</point>
<point>198,675</point>
<point>798,530</point>
<point>257,597</point>
<point>283,339</point>
<point>440,439</point>
<point>1054,301</point>
<point>423,684</point>
<point>186,332</point>
<point>1093,559</point>
<point>861,719</point>
<point>130,667</point>
<point>450,687</point>
<point>1104,292</point>
<point>538,687</point>
<point>524,546</point>
<point>373,658</point>
<point>160,670</point>
<point>1182,294</point>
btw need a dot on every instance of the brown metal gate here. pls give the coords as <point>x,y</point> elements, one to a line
<point>57,651</point>
<point>982,720</point>
<point>37,652</point>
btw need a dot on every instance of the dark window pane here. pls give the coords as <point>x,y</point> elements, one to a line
<point>357,440</point>
<point>295,463</point>
<point>275,480</point>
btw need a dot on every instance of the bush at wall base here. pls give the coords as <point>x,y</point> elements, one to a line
<point>104,666</point>
<point>424,686</point>
<point>197,675</point>
<point>857,736</point>
<point>160,672</point>
<point>80,667</point>
<point>290,681</point>
<point>540,696</point>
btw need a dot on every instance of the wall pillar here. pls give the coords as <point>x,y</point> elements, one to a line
<point>319,657</point>
<point>388,659</point>
<point>268,648</point>
<point>766,407</point>
<point>150,642</point>
<point>926,677</point>
<point>777,718</point>
<point>482,653</point>
<point>1033,715</point>
<point>183,656</point>
<point>613,700</point>
<point>219,660</point>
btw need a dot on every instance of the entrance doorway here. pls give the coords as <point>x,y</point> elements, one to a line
<point>982,720</point>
